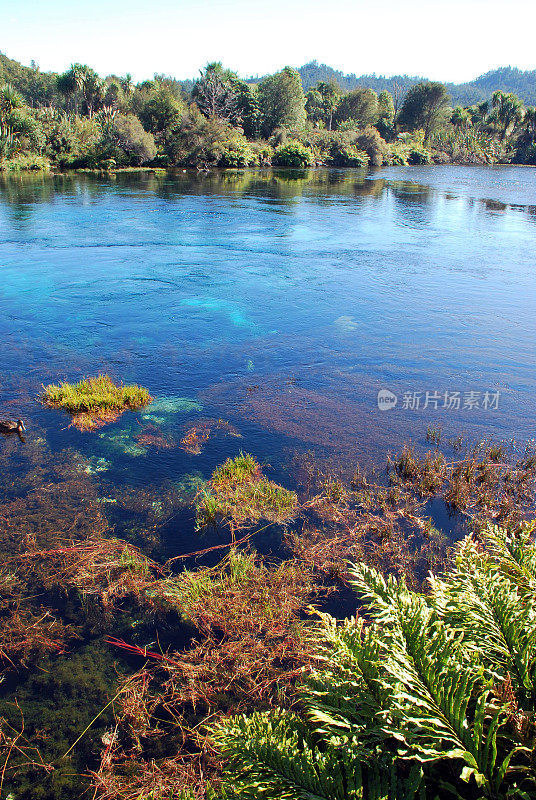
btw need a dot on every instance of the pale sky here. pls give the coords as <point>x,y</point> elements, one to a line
<point>450,40</point>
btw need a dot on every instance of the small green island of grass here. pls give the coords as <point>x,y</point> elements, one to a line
<point>239,494</point>
<point>94,402</point>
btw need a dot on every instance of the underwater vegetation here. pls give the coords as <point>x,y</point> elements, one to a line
<point>346,324</point>
<point>151,436</point>
<point>94,402</point>
<point>239,494</point>
<point>196,645</point>
<point>235,316</point>
<point>174,405</point>
<point>198,435</point>
<point>250,644</point>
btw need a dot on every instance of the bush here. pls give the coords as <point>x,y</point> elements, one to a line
<point>372,143</point>
<point>347,155</point>
<point>419,155</point>
<point>25,161</point>
<point>128,134</point>
<point>293,154</point>
<point>237,154</point>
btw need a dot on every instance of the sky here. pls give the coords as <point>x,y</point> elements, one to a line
<point>450,41</point>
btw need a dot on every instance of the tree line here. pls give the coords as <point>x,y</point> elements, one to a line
<point>79,119</point>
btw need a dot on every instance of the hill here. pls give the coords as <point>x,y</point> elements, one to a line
<point>509,79</point>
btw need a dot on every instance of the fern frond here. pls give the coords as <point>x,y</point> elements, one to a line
<point>499,625</point>
<point>430,685</point>
<point>273,756</point>
<point>515,553</point>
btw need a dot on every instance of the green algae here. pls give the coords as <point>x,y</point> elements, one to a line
<point>172,404</point>
<point>122,441</point>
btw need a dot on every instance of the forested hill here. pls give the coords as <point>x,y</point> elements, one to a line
<point>507,79</point>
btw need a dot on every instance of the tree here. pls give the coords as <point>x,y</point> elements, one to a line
<point>425,107</point>
<point>508,111</point>
<point>282,101</point>
<point>314,106</point>
<point>386,114</point>
<point>461,117</point>
<point>82,82</point>
<point>127,133</point>
<point>322,101</point>
<point>18,127</point>
<point>434,698</point>
<point>360,106</point>
<point>159,112</point>
<point>214,92</point>
<point>247,111</point>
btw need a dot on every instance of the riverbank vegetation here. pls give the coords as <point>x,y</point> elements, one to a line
<point>93,402</point>
<point>80,120</point>
<point>430,689</point>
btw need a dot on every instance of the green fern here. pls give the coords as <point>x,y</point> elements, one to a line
<point>497,621</point>
<point>409,705</point>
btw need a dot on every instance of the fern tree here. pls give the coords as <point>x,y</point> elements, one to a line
<point>434,698</point>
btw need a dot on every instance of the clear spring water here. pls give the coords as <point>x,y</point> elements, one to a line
<point>278,302</point>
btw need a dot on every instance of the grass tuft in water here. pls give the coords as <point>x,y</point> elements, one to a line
<point>239,494</point>
<point>95,401</point>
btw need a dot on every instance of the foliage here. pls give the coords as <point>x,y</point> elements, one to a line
<point>211,142</point>
<point>437,694</point>
<point>322,102</point>
<point>359,107</point>
<point>214,92</point>
<point>293,154</point>
<point>507,111</point>
<point>79,119</point>
<point>127,133</point>
<point>409,149</point>
<point>281,101</point>
<point>425,107</point>
<point>239,494</point>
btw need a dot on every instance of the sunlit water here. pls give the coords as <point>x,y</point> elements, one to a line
<point>278,302</point>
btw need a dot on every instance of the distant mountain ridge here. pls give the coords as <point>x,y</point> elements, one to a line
<point>507,79</point>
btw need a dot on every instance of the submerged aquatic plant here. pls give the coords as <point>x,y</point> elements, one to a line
<point>95,401</point>
<point>239,494</point>
<point>251,645</point>
<point>198,435</point>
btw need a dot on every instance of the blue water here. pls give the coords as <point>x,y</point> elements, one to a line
<point>279,302</point>
<point>269,308</point>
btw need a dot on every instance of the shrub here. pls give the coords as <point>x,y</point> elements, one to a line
<point>25,161</point>
<point>293,154</point>
<point>347,155</point>
<point>237,154</point>
<point>372,143</point>
<point>127,134</point>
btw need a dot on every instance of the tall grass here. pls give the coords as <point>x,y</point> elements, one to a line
<point>93,395</point>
